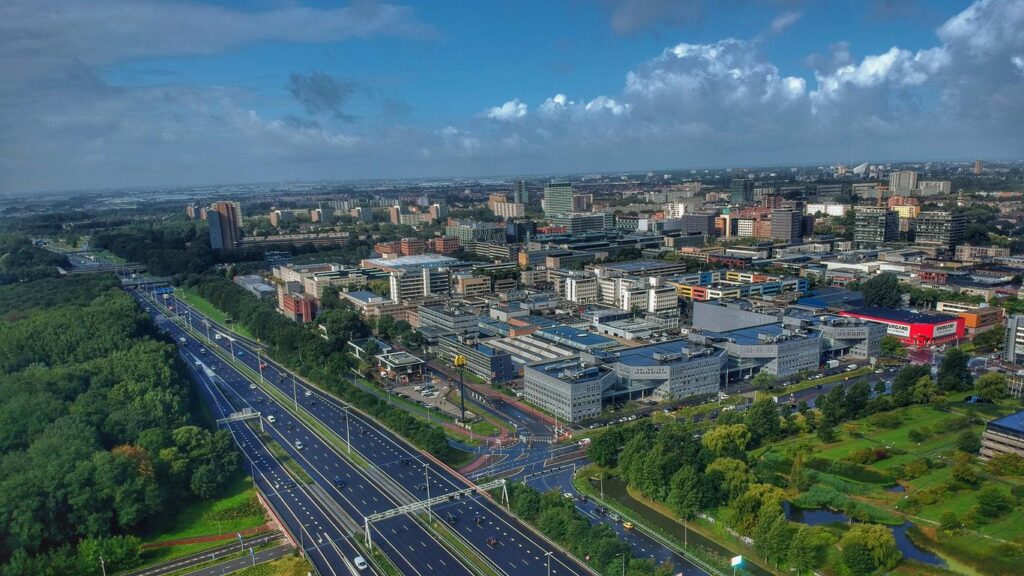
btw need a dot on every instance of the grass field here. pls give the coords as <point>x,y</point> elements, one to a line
<point>934,491</point>
<point>805,384</point>
<point>235,510</point>
<point>287,566</point>
<point>192,298</point>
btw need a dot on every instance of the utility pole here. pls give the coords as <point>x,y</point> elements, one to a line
<point>426,474</point>
<point>259,361</point>
<point>295,392</point>
<point>348,434</point>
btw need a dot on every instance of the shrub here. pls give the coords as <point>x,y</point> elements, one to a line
<point>888,420</point>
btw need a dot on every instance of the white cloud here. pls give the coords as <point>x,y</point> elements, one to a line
<point>783,21</point>
<point>606,104</point>
<point>511,110</point>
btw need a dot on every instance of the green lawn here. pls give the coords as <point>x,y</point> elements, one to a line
<point>192,298</point>
<point>235,510</point>
<point>287,566</point>
<point>939,447</point>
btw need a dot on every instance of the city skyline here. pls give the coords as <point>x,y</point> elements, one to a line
<point>299,93</point>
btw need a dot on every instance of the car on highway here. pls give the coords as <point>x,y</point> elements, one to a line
<point>627,525</point>
<point>614,517</point>
<point>271,419</point>
<point>307,393</point>
<point>298,445</point>
<point>568,495</point>
<point>252,386</point>
<point>360,563</point>
<point>492,541</point>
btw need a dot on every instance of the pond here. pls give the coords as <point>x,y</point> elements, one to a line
<point>823,516</point>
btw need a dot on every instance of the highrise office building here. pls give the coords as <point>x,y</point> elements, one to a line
<point>521,195</point>
<point>875,226</point>
<point>902,182</point>
<point>557,198</point>
<point>742,190</point>
<point>787,225</point>
<point>225,225</point>
<point>939,227</point>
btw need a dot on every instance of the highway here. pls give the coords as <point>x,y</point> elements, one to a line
<point>409,546</point>
<point>398,472</point>
<point>322,540</point>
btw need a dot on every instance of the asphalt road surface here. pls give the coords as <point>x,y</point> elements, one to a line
<point>398,473</point>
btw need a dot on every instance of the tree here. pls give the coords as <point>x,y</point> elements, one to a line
<point>735,475</point>
<point>904,382</point>
<point>604,449</point>
<point>833,406</point>
<point>993,502</point>
<point>924,390</point>
<point>804,552</point>
<point>883,291</point>
<point>949,522</point>
<point>857,399</point>
<point>763,380</point>
<point>892,347</point>
<point>688,493</point>
<point>953,372</point>
<point>964,472</point>
<point>762,420</point>
<point>968,442</point>
<point>991,386</point>
<point>729,440</point>
<point>869,547</point>
<point>989,340</point>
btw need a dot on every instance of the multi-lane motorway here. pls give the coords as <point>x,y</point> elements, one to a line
<point>385,473</point>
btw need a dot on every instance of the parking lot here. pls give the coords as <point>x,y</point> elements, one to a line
<point>432,396</point>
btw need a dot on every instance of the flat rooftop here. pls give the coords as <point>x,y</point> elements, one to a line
<point>1013,423</point>
<point>421,260</point>
<point>363,296</point>
<point>580,338</point>
<point>897,315</point>
<point>644,355</point>
<point>640,265</point>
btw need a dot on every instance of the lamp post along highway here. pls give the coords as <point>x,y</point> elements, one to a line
<point>348,435</point>
<point>103,566</point>
<point>426,475</point>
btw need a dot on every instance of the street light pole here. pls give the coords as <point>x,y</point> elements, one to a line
<point>103,566</point>
<point>549,562</point>
<point>348,434</point>
<point>426,474</point>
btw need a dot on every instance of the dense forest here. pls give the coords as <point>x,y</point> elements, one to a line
<point>97,440</point>
<point>20,261</point>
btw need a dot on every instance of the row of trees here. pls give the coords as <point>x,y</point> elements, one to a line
<point>559,520</point>
<point>96,437</point>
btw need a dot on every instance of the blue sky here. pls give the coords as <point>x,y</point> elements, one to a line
<point>176,92</point>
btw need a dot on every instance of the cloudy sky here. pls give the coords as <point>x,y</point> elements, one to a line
<point>111,93</point>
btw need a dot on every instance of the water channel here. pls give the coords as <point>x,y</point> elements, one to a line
<point>823,516</point>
